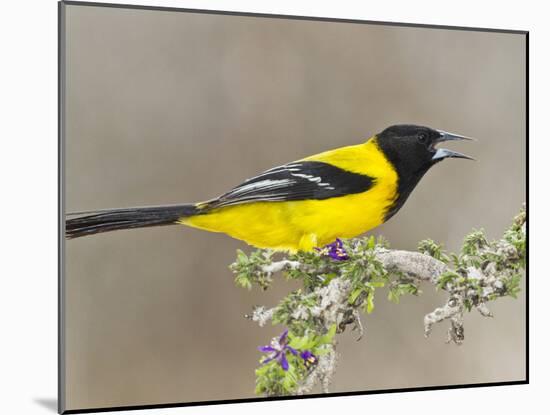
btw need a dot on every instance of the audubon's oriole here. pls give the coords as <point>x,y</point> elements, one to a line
<point>306,203</point>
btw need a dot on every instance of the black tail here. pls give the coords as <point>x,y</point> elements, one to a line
<point>115,219</point>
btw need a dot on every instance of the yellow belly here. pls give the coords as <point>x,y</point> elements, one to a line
<point>298,225</point>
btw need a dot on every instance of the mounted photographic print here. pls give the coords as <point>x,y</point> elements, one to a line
<point>262,206</point>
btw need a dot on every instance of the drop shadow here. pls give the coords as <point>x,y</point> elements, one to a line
<point>48,403</point>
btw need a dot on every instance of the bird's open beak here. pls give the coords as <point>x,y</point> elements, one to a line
<point>443,153</point>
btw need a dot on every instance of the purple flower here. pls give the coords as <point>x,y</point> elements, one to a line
<point>278,350</point>
<point>309,358</point>
<point>334,250</point>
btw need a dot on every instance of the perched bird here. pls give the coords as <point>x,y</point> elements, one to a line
<point>304,204</point>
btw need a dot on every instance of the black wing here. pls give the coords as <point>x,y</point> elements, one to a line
<point>299,180</point>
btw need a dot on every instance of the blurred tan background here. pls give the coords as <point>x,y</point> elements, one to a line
<point>167,107</point>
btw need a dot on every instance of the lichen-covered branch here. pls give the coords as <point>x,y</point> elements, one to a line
<point>340,281</point>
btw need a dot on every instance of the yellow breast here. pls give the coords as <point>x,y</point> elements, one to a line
<point>304,224</point>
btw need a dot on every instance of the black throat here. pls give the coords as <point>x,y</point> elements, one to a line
<point>408,172</point>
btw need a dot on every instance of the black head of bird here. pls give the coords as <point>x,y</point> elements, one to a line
<point>412,148</point>
<point>412,151</point>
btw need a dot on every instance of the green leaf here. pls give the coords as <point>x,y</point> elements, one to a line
<point>320,351</point>
<point>298,342</point>
<point>446,277</point>
<point>370,302</point>
<point>243,281</point>
<point>329,278</point>
<point>393,295</point>
<point>371,242</point>
<point>327,338</point>
<point>289,381</point>
<point>355,294</point>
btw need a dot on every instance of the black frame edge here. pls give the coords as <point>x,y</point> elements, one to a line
<point>527,207</point>
<point>289,398</point>
<point>61,380</point>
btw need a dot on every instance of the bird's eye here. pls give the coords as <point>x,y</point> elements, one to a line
<point>422,138</point>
